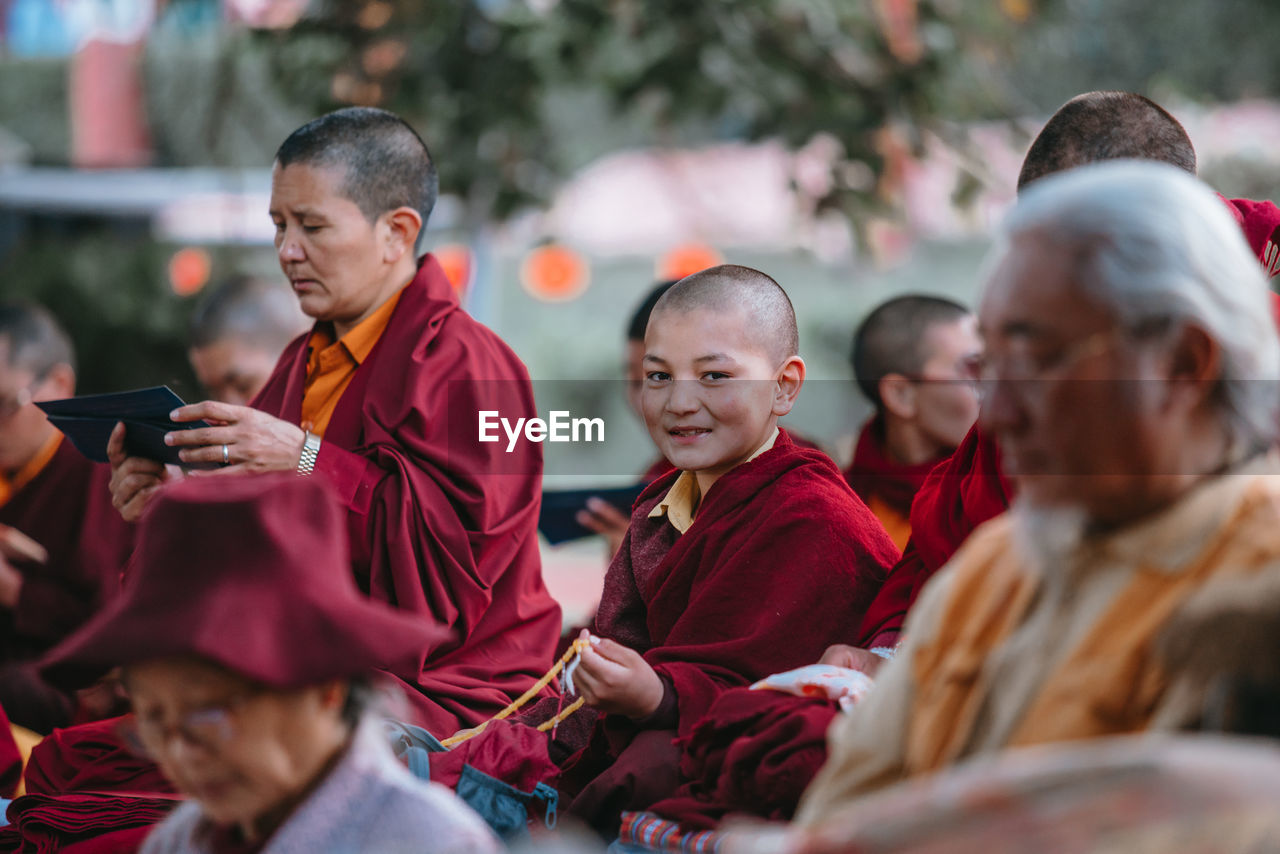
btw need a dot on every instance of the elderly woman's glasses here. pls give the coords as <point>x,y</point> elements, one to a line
<point>208,727</point>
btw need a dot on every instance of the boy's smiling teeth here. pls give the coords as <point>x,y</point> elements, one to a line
<point>689,431</point>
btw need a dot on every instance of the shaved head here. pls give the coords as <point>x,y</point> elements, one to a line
<point>728,288</point>
<point>1107,126</point>
<point>253,311</point>
<point>36,342</point>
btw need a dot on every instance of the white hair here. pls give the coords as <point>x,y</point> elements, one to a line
<point>1155,243</point>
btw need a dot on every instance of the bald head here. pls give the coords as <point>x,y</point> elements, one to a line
<point>34,340</point>
<point>1107,126</point>
<point>238,332</point>
<point>250,310</point>
<point>728,288</point>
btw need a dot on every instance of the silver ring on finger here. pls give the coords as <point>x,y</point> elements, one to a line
<point>226,455</point>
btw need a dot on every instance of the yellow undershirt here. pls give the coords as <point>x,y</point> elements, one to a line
<point>681,501</point>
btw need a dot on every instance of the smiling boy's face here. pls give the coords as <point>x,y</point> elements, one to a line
<point>712,395</point>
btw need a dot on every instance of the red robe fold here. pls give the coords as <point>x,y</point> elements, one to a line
<point>87,791</point>
<point>67,509</point>
<point>780,562</point>
<point>873,474</point>
<point>958,495</point>
<point>440,523</point>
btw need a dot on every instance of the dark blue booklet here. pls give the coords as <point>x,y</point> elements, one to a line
<point>89,419</point>
<point>558,518</point>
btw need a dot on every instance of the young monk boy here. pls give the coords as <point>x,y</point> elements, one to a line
<point>747,560</point>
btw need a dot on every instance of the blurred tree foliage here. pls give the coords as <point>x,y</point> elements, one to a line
<point>514,94</point>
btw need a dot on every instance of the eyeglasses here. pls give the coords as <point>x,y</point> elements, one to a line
<point>1024,368</point>
<point>208,727</point>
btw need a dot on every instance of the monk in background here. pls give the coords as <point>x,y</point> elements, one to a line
<point>382,400</point>
<point>237,333</point>
<point>911,360</point>
<point>62,547</point>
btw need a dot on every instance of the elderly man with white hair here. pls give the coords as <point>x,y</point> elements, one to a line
<point>1129,373</point>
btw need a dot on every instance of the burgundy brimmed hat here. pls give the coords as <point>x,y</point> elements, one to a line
<point>251,573</point>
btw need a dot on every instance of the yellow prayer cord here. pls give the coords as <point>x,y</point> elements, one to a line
<point>574,649</point>
<point>555,722</point>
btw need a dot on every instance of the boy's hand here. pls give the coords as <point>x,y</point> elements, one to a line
<point>606,520</point>
<point>615,679</point>
<point>852,658</point>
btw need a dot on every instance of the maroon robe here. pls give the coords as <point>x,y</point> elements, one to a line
<point>440,524</point>
<point>66,508</point>
<point>780,562</point>
<point>959,495</point>
<point>872,473</point>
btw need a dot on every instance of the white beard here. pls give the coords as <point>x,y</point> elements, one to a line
<point>1047,537</point>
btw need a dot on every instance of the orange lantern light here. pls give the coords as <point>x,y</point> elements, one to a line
<point>189,271</point>
<point>554,273</point>
<point>686,260</point>
<point>458,263</point>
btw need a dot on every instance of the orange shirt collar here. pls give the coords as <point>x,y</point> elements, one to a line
<point>9,486</point>
<point>361,338</point>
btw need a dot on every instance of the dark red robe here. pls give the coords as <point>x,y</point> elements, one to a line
<point>440,523</point>
<point>88,792</point>
<point>66,508</point>
<point>958,495</point>
<point>872,473</point>
<point>780,562</point>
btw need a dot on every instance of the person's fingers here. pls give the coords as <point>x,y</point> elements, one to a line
<point>16,545</point>
<point>221,471</point>
<point>606,512</point>
<point>210,454</point>
<point>615,653</point>
<point>140,465</point>
<point>212,410</point>
<point>132,509</point>
<point>591,522</point>
<point>115,445</point>
<point>201,436</point>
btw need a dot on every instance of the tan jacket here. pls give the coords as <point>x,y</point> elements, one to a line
<point>1000,653</point>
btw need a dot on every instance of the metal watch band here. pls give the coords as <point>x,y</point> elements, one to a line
<point>310,450</point>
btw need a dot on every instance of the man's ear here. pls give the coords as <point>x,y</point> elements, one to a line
<point>1195,363</point>
<point>60,381</point>
<point>402,227</point>
<point>790,379</point>
<point>898,394</point>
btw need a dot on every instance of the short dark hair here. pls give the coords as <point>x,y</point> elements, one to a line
<point>640,317</point>
<point>37,341</point>
<point>890,339</point>
<point>249,309</point>
<point>729,287</point>
<point>386,163</point>
<point>1107,126</point>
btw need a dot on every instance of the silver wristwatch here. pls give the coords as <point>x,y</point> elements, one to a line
<point>310,450</point>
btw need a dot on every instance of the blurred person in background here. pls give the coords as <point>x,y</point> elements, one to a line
<point>1129,371</point>
<point>599,515</point>
<point>250,676</point>
<point>442,525</point>
<point>910,358</point>
<point>237,333</point>
<point>62,547</point>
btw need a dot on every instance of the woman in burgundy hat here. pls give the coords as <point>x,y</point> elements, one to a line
<point>248,653</point>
